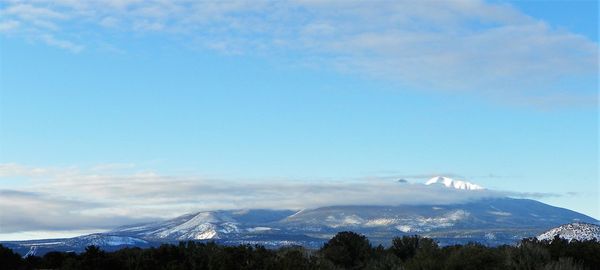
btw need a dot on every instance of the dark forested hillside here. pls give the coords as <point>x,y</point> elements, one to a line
<point>346,250</point>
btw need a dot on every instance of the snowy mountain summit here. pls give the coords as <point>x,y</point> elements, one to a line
<point>573,231</point>
<point>197,226</point>
<point>451,183</point>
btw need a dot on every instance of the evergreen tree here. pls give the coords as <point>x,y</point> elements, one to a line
<point>405,247</point>
<point>529,255</point>
<point>10,260</point>
<point>348,250</point>
<point>563,264</point>
<point>475,256</point>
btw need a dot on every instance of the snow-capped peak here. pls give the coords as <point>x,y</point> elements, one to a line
<point>451,183</point>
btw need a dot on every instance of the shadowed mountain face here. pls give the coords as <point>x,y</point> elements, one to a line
<point>490,221</point>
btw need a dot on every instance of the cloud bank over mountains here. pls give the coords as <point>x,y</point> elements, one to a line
<point>484,49</point>
<point>106,196</point>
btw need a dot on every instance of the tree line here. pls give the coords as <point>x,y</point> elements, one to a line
<point>346,250</point>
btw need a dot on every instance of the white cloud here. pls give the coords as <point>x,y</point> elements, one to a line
<point>31,12</point>
<point>112,166</point>
<point>63,44</point>
<point>54,234</point>
<point>486,49</point>
<point>109,22</point>
<point>9,25</point>
<point>31,211</point>
<point>15,170</point>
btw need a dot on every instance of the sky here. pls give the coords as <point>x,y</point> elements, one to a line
<point>123,111</point>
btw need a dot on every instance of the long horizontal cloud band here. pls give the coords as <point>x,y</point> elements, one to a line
<point>71,198</point>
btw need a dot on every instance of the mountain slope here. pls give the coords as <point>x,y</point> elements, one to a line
<point>494,221</point>
<point>205,225</point>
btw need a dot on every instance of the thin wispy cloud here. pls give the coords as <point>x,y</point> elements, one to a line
<point>9,25</point>
<point>63,44</point>
<point>484,49</point>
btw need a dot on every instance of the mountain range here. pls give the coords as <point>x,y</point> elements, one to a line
<point>491,221</point>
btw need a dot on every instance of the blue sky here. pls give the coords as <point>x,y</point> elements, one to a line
<point>104,98</point>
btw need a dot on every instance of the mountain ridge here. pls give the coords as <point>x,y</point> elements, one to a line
<point>491,221</point>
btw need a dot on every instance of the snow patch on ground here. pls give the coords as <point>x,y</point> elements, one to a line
<point>351,220</point>
<point>106,240</point>
<point>407,229</point>
<point>490,236</point>
<point>500,213</point>
<point>208,234</point>
<point>259,229</point>
<point>381,222</point>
